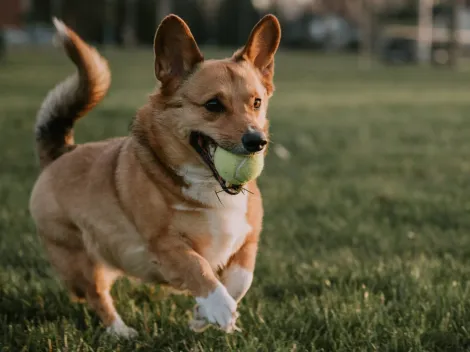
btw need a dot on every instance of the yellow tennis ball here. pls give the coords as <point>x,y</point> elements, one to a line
<point>238,169</point>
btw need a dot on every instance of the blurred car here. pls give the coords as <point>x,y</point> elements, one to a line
<point>399,43</point>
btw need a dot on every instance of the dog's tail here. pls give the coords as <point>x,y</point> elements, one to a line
<point>71,98</point>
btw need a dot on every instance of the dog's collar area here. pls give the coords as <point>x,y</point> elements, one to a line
<point>201,144</point>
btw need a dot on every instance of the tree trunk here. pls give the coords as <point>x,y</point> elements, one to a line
<point>109,23</point>
<point>3,44</point>
<point>454,43</point>
<point>210,10</point>
<point>367,10</point>
<point>56,8</point>
<point>129,35</point>
<point>425,29</point>
<point>163,9</point>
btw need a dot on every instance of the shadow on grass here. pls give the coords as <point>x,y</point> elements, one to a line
<point>17,308</point>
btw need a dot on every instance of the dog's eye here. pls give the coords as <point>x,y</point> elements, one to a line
<point>257,103</point>
<point>214,105</point>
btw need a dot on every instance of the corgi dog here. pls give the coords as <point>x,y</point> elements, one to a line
<point>151,205</point>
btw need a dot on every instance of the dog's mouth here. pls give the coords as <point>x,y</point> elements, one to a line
<point>205,147</point>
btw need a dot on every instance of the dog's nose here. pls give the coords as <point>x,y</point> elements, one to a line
<point>254,141</point>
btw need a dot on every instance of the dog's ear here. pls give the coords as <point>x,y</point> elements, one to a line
<point>176,52</point>
<point>262,45</point>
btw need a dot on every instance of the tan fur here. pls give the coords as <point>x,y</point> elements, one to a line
<point>145,205</point>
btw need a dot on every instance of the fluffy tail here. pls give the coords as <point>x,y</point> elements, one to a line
<point>71,98</point>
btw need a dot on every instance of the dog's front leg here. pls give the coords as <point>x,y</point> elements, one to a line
<point>236,278</point>
<point>238,275</point>
<point>185,269</point>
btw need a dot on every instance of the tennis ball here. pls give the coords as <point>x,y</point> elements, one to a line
<point>238,169</point>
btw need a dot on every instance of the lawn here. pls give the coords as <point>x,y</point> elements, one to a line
<point>366,242</point>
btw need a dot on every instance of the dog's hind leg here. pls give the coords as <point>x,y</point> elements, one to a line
<point>87,279</point>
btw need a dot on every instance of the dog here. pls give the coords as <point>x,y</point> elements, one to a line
<point>151,205</point>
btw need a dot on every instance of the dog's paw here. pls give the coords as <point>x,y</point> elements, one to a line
<point>199,324</point>
<point>217,308</point>
<point>121,330</point>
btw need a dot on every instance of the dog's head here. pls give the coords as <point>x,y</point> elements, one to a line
<point>215,103</point>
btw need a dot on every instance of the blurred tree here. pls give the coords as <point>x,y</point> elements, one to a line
<point>3,45</point>
<point>163,8</point>
<point>74,12</point>
<point>119,18</point>
<point>41,11</point>
<point>425,25</point>
<point>129,34</point>
<point>86,17</point>
<point>368,26</point>
<point>209,11</point>
<point>454,45</point>
<point>109,37</point>
<point>151,12</point>
<point>56,8</point>
<point>147,21</point>
<point>235,21</point>
<point>192,12</point>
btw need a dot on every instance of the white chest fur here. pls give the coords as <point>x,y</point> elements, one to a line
<point>226,218</point>
<point>228,230</point>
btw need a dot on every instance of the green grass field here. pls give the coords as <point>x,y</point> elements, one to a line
<point>366,242</point>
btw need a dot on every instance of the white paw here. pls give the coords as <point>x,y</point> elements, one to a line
<point>217,308</point>
<point>119,329</point>
<point>200,324</point>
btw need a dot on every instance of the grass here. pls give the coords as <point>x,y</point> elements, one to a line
<point>366,243</point>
